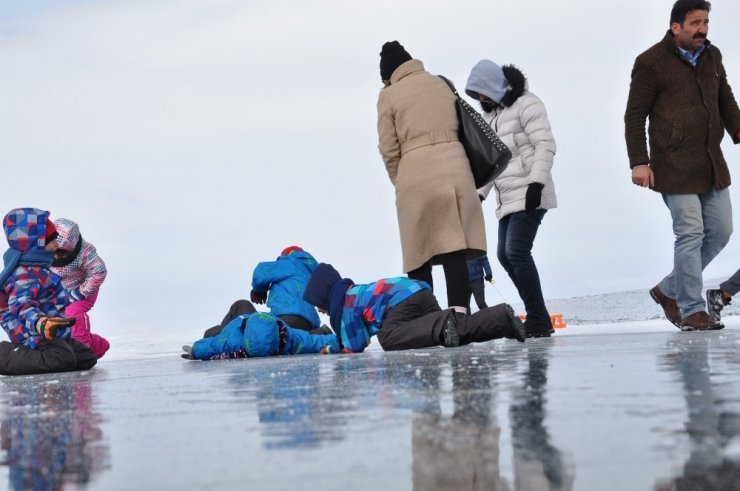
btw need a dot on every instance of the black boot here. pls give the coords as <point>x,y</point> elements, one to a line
<point>517,326</point>
<point>494,322</point>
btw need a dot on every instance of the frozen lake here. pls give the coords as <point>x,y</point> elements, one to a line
<point>626,406</point>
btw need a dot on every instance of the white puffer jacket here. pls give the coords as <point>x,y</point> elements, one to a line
<point>524,128</point>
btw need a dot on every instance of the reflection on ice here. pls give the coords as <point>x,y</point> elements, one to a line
<point>50,432</point>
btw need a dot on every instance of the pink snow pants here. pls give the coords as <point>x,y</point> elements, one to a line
<point>81,329</point>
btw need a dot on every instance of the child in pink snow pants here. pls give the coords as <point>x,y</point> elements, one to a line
<point>82,272</point>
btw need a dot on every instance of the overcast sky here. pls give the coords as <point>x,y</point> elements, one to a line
<point>191,139</point>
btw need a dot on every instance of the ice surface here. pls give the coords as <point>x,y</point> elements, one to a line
<point>609,406</point>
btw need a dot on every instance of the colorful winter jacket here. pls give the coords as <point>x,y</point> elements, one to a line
<point>30,292</point>
<point>285,279</point>
<point>365,307</point>
<point>262,334</point>
<point>83,269</point>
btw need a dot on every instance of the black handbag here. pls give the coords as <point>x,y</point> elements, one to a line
<point>487,154</point>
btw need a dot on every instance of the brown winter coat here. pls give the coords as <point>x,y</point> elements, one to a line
<point>438,207</point>
<point>688,108</point>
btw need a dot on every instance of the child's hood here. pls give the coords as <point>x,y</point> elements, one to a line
<point>304,257</point>
<point>69,234</point>
<point>25,229</point>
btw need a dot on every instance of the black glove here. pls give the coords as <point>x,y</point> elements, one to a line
<point>534,196</point>
<point>489,277</point>
<point>258,297</point>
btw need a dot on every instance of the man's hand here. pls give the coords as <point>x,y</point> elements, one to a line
<point>642,175</point>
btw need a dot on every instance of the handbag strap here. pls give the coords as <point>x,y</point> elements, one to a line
<point>449,84</point>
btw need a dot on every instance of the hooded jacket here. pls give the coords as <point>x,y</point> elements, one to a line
<point>29,292</point>
<point>522,124</point>
<point>285,279</point>
<point>86,271</point>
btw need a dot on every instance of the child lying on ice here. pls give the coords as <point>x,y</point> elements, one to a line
<point>403,313</point>
<point>256,335</point>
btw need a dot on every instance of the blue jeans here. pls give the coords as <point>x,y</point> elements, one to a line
<point>516,233</point>
<point>702,224</point>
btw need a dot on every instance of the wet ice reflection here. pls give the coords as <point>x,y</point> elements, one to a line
<point>50,433</point>
<point>707,370</point>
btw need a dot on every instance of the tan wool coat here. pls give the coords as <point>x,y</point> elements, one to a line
<point>438,207</point>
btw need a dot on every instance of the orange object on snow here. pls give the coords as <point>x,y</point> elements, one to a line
<point>556,319</point>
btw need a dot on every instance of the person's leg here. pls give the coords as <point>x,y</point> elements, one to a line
<point>296,322</point>
<point>54,355</point>
<point>494,322</point>
<point>240,307</point>
<point>690,252</point>
<point>417,322</point>
<point>81,332</point>
<point>423,273</point>
<point>519,239</point>
<point>503,230</point>
<point>479,293</point>
<point>87,357</point>
<point>732,285</point>
<point>456,278</point>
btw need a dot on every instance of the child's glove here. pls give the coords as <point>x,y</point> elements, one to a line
<point>76,295</point>
<point>489,278</point>
<point>258,297</point>
<point>49,326</point>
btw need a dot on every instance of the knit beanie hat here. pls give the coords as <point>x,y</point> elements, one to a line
<point>487,78</point>
<point>51,231</point>
<point>391,57</point>
<point>317,289</point>
<point>290,249</point>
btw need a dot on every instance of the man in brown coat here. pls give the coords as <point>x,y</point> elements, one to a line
<point>680,84</point>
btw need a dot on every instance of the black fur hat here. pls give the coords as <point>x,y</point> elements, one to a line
<point>391,57</point>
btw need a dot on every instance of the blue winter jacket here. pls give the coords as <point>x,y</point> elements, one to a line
<point>285,279</point>
<point>479,268</point>
<point>262,334</point>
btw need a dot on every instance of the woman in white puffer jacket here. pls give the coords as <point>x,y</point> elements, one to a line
<point>525,190</point>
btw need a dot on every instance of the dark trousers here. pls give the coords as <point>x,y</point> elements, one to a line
<point>241,307</point>
<point>55,355</point>
<point>516,234</point>
<point>418,321</point>
<point>456,277</point>
<point>478,289</point>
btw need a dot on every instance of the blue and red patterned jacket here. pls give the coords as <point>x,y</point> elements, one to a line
<point>30,292</point>
<point>365,306</point>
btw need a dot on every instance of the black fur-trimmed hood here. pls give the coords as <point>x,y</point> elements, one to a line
<point>518,83</point>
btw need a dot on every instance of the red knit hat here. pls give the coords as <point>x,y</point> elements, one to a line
<point>51,231</point>
<point>290,249</point>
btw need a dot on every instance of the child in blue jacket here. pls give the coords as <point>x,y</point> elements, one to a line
<point>404,314</point>
<point>32,301</point>
<point>256,335</point>
<point>285,279</point>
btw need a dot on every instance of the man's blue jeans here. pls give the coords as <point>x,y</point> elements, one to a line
<point>702,224</point>
<point>516,233</point>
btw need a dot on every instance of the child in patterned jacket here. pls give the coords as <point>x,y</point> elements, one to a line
<point>82,271</point>
<point>403,313</point>
<point>32,301</point>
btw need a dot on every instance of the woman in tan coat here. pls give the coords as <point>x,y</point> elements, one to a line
<point>439,213</point>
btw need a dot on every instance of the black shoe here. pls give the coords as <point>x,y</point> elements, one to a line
<point>188,355</point>
<point>517,326</point>
<point>537,331</point>
<point>450,337</point>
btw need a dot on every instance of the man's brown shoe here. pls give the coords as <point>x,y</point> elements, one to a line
<point>670,307</point>
<point>700,321</point>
